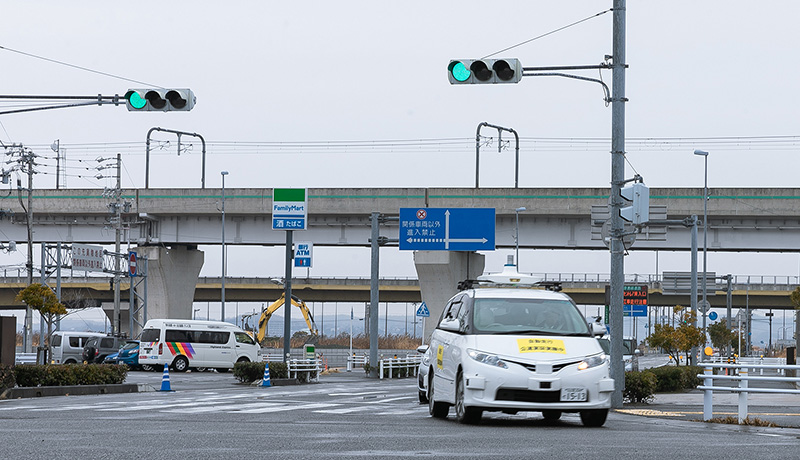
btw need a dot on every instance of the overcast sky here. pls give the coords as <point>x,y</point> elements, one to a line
<point>718,75</point>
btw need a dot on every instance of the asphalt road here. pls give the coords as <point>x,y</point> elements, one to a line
<point>210,415</point>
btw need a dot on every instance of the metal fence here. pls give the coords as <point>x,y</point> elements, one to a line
<point>741,376</point>
<point>405,366</point>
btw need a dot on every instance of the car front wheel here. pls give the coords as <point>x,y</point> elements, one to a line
<point>594,417</point>
<point>464,414</point>
<point>436,409</point>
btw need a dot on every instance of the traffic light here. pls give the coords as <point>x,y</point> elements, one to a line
<point>479,71</point>
<point>637,211</point>
<point>159,100</point>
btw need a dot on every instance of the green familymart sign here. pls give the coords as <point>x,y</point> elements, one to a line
<point>289,209</point>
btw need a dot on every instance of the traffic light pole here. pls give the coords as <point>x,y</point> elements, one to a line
<point>617,179</point>
<point>490,71</point>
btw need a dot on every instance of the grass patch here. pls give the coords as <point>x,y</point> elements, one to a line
<point>730,420</point>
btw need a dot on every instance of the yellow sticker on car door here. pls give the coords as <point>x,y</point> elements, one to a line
<point>440,357</point>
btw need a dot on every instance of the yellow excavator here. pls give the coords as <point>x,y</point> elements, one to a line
<point>267,314</point>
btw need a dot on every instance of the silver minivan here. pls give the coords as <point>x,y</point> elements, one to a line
<point>68,346</point>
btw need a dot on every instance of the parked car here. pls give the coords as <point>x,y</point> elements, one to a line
<point>97,348</point>
<point>128,355</point>
<point>422,373</point>
<point>68,346</point>
<point>627,354</point>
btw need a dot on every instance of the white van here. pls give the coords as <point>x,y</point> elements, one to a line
<point>68,346</point>
<point>182,343</point>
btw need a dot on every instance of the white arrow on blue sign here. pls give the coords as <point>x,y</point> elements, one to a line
<point>447,229</point>
<point>423,311</point>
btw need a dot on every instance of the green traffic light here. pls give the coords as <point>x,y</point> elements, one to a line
<point>459,71</point>
<point>135,99</point>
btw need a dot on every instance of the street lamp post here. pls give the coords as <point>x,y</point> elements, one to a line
<point>516,235</point>
<point>224,265</point>
<point>704,154</point>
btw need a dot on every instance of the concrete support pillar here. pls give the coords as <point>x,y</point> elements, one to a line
<point>439,273</point>
<point>171,280</point>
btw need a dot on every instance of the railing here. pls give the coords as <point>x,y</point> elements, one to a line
<point>353,361</point>
<point>312,367</point>
<point>25,358</point>
<point>272,357</point>
<point>19,275</point>
<point>410,363</point>
<point>743,378</point>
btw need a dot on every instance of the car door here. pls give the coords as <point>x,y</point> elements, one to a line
<point>245,347</point>
<point>447,352</point>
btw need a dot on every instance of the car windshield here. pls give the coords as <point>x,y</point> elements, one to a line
<point>605,344</point>
<point>528,316</point>
<point>130,345</point>
<point>627,346</point>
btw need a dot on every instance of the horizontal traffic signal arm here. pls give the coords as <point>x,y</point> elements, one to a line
<point>98,99</point>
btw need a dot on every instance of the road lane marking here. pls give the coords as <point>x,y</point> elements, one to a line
<point>283,409</point>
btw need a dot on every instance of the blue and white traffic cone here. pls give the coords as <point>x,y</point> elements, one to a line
<point>265,381</point>
<point>165,380</point>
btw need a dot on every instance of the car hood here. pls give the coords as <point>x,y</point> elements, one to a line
<point>536,347</point>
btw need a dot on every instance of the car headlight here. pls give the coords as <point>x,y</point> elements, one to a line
<point>592,361</point>
<point>486,358</point>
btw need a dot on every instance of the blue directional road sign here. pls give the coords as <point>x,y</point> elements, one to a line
<point>423,311</point>
<point>634,310</point>
<point>447,229</point>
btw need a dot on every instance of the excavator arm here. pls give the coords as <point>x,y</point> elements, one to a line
<point>262,322</point>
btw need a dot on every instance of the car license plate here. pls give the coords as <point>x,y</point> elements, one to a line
<point>573,394</point>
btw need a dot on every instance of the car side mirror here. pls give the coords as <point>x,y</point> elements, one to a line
<point>422,349</point>
<point>637,352</point>
<point>598,329</point>
<point>451,325</point>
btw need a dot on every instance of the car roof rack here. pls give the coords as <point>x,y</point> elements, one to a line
<point>509,277</point>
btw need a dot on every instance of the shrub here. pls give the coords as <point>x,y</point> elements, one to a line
<point>669,378</point>
<point>250,372</point>
<point>690,379</point>
<point>278,370</point>
<point>639,387</point>
<point>7,379</point>
<point>77,374</point>
<point>676,378</point>
<point>28,375</point>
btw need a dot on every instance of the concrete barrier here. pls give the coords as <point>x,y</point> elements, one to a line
<point>35,392</point>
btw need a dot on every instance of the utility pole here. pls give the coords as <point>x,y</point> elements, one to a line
<point>116,210</point>
<point>26,163</point>
<point>617,180</point>
<point>118,230</point>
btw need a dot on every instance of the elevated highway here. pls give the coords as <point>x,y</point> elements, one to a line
<point>758,219</point>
